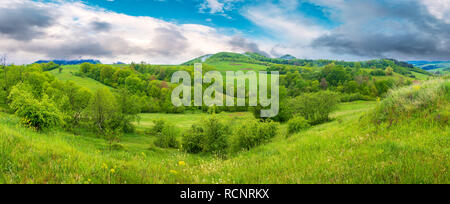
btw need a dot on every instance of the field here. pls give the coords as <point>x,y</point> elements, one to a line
<point>224,66</point>
<point>342,151</point>
<point>68,74</point>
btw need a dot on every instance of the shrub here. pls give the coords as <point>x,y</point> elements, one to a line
<point>378,72</point>
<point>193,140</point>
<point>210,136</point>
<point>158,126</point>
<point>354,97</point>
<point>315,107</point>
<point>168,137</point>
<point>35,113</point>
<point>216,138</point>
<point>298,124</point>
<point>253,133</point>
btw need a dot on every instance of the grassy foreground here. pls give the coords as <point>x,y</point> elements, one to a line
<point>401,139</point>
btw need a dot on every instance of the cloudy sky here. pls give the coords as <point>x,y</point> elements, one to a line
<point>174,31</point>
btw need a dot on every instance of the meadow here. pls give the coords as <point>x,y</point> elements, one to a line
<point>336,125</point>
<point>342,151</point>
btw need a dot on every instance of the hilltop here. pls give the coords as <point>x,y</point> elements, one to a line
<point>253,61</point>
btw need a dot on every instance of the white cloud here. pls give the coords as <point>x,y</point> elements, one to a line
<point>291,32</point>
<point>439,8</point>
<point>87,32</point>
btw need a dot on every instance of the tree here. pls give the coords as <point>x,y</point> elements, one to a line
<point>389,71</point>
<point>324,84</point>
<point>35,113</point>
<point>3,59</point>
<point>103,107</point>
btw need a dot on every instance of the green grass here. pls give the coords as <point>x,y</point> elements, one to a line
<point>346,150</point>
<point>68,74</point>
<point>183,121</point>
<point>224,66</point>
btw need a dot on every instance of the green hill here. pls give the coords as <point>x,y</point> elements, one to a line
<point>350,149</point>
<point>69,74</point>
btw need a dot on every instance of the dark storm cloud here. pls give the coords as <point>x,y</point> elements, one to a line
<point>240,43</point>
<point>24,22</point>
<point>403,29</point>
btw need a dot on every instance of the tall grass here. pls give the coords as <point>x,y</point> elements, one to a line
<point>430,98</point>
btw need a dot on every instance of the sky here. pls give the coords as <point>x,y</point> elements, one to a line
<point>175,31</point>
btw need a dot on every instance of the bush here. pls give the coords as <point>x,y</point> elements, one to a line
<point>216,138</point>
<point>354,97</point>
<point>209,136</point>
<point>253,133</point>
<point>34,113</point>
<point>158,126</point>
<point>168,137</point>
<point>298,124</point>
<point>378,72</point>
<point>315,107</point>
<point>193,140</point>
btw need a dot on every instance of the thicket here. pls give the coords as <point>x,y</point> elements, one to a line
<point>44,102</point>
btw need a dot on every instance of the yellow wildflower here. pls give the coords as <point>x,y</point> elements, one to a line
<point>173,172</point>
<point>113,171</point>
<point>417,88</point>
<point>182,163</point>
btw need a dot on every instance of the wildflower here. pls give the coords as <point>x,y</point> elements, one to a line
<point>182,163</point>
<point>113,171</point>
<point>104,166</point>
<point>378,99</point>
<point>173,172</point>
<point>417,88</point>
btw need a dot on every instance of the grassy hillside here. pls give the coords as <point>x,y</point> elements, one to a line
<point>68,74</point>
<point>350,149</point>
<point>434,66</point>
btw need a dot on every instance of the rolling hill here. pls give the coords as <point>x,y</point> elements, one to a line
<point>439,67</point>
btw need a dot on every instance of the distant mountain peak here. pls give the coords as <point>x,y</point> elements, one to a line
<point>70,62</point>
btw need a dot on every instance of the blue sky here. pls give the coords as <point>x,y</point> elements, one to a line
<point>194,12</point>
<point>174,31</point>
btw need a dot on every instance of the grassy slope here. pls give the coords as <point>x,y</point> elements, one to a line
<point>68,74</point>
<point>341,151</point>
<point>237,66</point>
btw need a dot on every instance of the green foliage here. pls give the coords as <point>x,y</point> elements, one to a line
<point>158,126</point>
<point>354,97</point>
<point>210,135</point>
<point>103,108</point>
<point>297,124</point>
<point>378,72</point>
<point>389,71</point>
<point>167,138</point>
<point>252,133</point>
<point>37,114</point>
<point>315,107</point>
<point>383,86</point>
<point>193,140</point>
